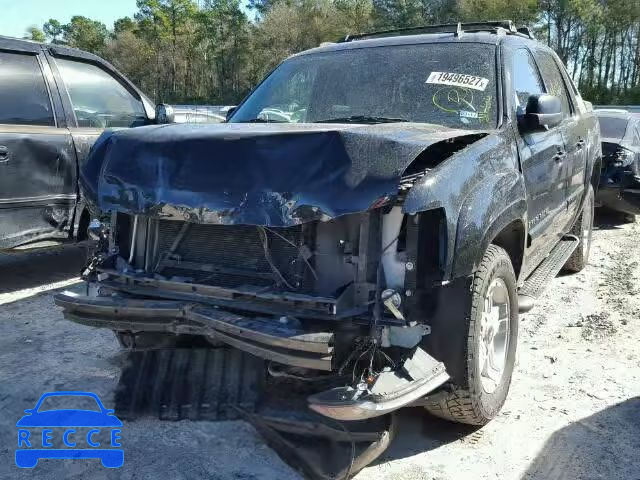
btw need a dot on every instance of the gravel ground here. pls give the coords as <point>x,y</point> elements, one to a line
<point>573,411</point>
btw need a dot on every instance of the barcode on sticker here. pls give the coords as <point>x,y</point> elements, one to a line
<point>458,80</point>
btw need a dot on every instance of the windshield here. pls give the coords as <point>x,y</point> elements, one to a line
<point>445,84</point>
<point>612,127</point>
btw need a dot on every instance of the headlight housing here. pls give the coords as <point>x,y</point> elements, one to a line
<point>623,157</point>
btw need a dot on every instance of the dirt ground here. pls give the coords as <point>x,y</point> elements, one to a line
<point>573,411</point>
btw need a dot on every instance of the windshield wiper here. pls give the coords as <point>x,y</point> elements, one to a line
<point>362,119</point>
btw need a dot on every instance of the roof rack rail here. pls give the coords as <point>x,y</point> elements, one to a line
<point>527,32</point>
<point>504,27</point>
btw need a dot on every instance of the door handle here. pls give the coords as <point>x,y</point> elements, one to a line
<point>558,157</point>
<point>4,154</point>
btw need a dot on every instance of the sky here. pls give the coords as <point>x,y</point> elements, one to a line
<point>18,15</point>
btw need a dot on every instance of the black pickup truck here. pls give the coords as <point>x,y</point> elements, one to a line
<point>415,191</point>
<point>54,103</point>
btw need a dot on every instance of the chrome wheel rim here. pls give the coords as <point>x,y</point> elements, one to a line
<point>494,335</point>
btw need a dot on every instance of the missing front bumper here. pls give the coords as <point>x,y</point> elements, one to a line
<point>417,375</point>
<point>261,337</point>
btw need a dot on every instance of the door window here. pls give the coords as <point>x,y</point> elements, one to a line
<point>526,80</point>
<point>553,81</point>
<point>98,99</point>
<point>24,98</point>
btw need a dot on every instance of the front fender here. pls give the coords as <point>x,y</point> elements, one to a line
<point>476,187</point>
<point>484,214</point>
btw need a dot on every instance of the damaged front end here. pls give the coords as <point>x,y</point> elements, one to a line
<point>619,187</point>
<point>320,290</point>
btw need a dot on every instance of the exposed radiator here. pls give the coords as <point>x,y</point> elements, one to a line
<point>232,255</point>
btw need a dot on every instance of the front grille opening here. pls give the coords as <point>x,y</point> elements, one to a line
<point>234,255</point>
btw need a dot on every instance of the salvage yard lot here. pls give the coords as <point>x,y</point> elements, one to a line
<point>573,410</point>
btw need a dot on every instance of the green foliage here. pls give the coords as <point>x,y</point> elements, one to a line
<point>223,34</point>
<point>124,24</point>
<point>522,11</point>
<point>412,13</point>
<point>86,34</point>
<point>180,51</point>
<point>35,34</point>
<point>53,30</point>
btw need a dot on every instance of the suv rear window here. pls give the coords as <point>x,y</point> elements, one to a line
<point>445,84</point>
<point>24,99</point>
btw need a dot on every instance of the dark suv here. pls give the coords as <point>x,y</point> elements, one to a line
<point>54,102</point>
<point>378,209</point>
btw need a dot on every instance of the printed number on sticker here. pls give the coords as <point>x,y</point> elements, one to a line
<point>458,80</point>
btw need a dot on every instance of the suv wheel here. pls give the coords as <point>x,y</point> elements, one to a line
<point>492,335</point>
<point>582,229</point>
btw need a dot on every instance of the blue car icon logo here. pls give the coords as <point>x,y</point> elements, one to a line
<point>73,427</point>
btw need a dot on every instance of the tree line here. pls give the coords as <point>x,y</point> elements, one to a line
<point>216,51</point>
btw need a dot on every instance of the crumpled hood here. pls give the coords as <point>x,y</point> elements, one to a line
<point>258,174</point>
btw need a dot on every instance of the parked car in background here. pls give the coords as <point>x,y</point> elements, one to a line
<point>192,113</point>
<point>628,108</point>
<point>54,103</point>
<point>378,209</point>
<point>620,175</point>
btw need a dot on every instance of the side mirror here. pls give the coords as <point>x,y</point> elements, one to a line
<point>230,113</point>
<point>165,114</point>
<point>543,111</point>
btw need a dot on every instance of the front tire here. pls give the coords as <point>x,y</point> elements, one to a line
<point>492,334</point>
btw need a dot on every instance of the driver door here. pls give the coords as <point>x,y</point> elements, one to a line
<point>541,159</point>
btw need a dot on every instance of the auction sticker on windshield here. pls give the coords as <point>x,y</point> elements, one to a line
<point>458,80</point>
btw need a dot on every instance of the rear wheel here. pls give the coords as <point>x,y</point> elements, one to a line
<point>492,334</point>
<point>582,229</point>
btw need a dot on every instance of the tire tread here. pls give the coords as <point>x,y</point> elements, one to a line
<point>461,405</point>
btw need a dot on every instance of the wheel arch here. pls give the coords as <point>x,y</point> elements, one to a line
<point>512,238</point>
<point>595,174</point>
<point>480,227</point>
<point>81,222</point>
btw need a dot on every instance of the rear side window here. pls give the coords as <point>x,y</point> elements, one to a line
<point>526,80</point>
<point>99,100</point>
<point>553,81</point>
<point>24,98</point>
